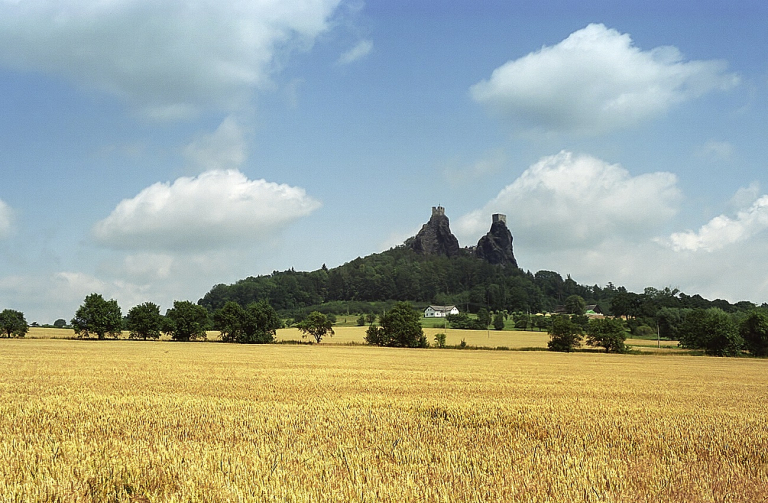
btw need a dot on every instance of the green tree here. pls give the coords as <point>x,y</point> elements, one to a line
<point>317,325</point>
<point>607,333</point>
<point>370,318</point>
<point>13,324</point>
<point>261,323</point>
<point>400,327</point>
<point>98,316</point>
<point>144,321</point>
<point>186,321</point>
<point>60,323</point>
<point>483,318</point>
<point>712,330</point>
<point>440,340</point>
<point>498,320</point>
<point>361,321</point>
<point>754,331</point>
<point>575,304</point>
<point>229,321</point>
<point>564,335</point>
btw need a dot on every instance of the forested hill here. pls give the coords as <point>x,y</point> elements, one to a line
<point>462,280</point>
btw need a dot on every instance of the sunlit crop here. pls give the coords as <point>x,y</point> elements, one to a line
<point>163,421</point>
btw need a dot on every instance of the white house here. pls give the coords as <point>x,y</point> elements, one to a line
<point>440,311</point>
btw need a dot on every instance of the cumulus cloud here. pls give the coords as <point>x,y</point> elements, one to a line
<point>169,59</point>
<point>223,149</point>
<point>6,219</point>
<point>723,230</point>
<point>567,200</point>
<point>595,81</point>
<point>359,51</point>
<point>209,211</point>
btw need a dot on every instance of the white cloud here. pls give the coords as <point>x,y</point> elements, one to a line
<point>223,149</point>
<point>6,219</point>
<point>359,51</point>
<point>169,59</point>
<point>595,81</point>
<point>723,230</point>
<point>565,201</point>
<point>213,210</point>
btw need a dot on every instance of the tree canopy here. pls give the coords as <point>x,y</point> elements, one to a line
<point>317,325</point>
<point>13,324</point>
<point>608,333</point>
<point>255,324</point>
<point>186,321</point>
<point>400,327</point>
<point>144,321</point>
<point>98,316</point>
<point>564,335</point>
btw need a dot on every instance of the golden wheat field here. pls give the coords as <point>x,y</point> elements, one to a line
<point>162,421</point>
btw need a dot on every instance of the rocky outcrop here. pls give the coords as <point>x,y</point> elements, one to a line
<point>435,237</point>
<point>496,246</point>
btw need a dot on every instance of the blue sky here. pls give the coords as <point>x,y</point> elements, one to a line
<point>149,151</point>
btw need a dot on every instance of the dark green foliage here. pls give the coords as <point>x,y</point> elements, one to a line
<point>98,316</point>
<point>754,331</point>
<point>255,324</point>
<point>317,325</point>
<point>144,321</point>
<point>607,333</point>
<point>400,327</point>
<point>580,320</point>
<point>575,304</point>
<point>498,320</point>
<point>440,340</point>
<point>542,322</point>
<point>60,323</point>
<point>463,321</point>
<point>669,320</point>
<point>564,335</point>
<point>712,330</point>
<point>361,321</point>
<point>370,318</point>
<point>521,320</point>
<point>13,324</point>
<point>186,321</point>
<point>644,331</point>
<point>229,321</point>
<point>483,318</point>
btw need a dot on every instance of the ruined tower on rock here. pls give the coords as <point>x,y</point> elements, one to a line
<point>435,237</point>
<point>496,246</point>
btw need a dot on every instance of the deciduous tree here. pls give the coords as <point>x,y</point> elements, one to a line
<point>13,324</point>
<point>754,331</point>
<point>317,325</point>
<point>607,333</point>
<point>400,327</point>
<point>98,316</point>
<point>144,321</point>
<point>564,335</point>
<point>186,321</point>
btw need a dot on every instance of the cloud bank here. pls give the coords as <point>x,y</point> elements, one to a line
<point>722,230</point>
<point>213,210</point>
<point>568,200</point>
<point>596,81</point>
<point>168,59</point>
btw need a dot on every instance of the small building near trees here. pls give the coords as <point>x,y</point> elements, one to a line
<point>440,311</point>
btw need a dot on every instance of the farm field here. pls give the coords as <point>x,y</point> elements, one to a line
<point>162,421</point>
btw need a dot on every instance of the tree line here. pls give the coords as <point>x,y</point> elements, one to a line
<point>374,283</point>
